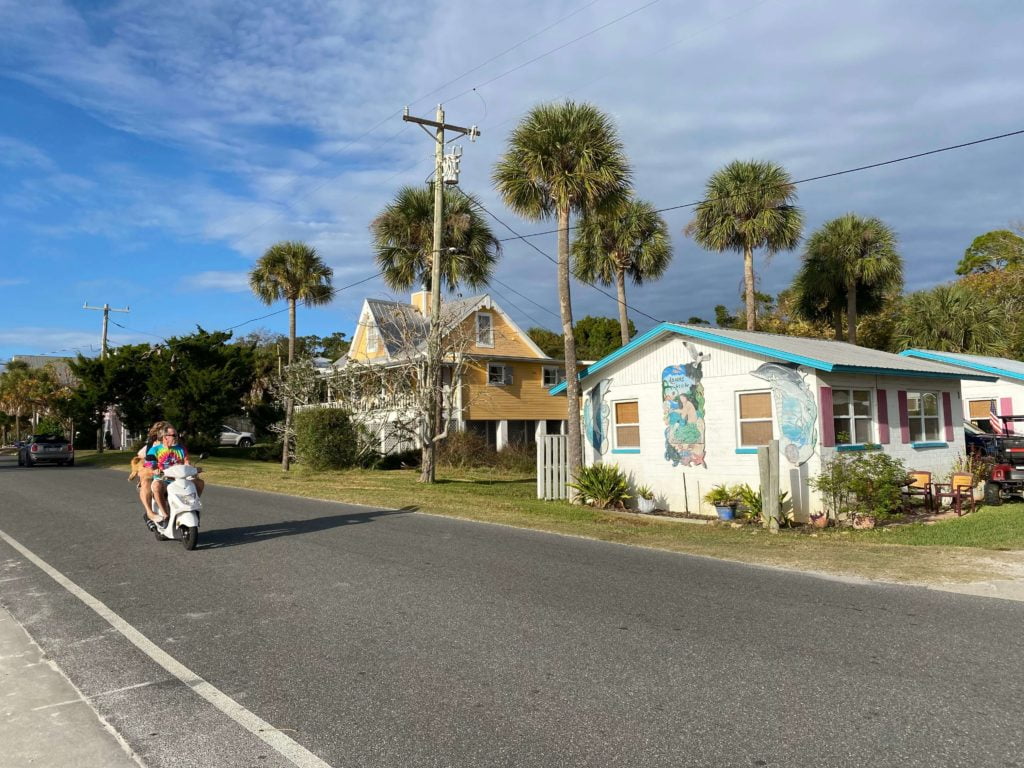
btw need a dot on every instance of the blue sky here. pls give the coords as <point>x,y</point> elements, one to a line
<point>151,152</point>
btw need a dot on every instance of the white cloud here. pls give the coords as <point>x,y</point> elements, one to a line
<point>233,282</point>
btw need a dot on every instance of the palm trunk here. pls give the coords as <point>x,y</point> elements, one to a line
<point>851,313</point>
<point>837,324</point>
<point>748,280</point>
<point>574,438</point>
<point>620,284</point>
<point>286,445</point>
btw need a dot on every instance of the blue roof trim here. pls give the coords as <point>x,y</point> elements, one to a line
<point>910,374</point>
<point>940,358</point>
<point>761,349</point>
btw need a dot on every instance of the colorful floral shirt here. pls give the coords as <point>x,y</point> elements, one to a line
<point>161,457</point>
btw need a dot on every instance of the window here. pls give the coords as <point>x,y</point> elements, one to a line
<point>980,413</point>
<point>627,425</point>
<point>851,416</point>
<point>372,339</point>
<point>923,415</point>
<point>755,418</point>
<point>484,330</point>
<point>499,375</point>
<point>552,375</point>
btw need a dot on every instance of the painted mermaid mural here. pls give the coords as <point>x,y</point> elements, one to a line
<point>795,409</point>
<point>596,412</point>
<point>682,400</point>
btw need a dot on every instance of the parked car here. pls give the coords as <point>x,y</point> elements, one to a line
<point>231,436</point>
<point>40,449</point>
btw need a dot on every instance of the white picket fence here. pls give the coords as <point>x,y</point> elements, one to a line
<point>552,467</point>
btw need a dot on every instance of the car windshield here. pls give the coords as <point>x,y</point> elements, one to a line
<point>229,429</point>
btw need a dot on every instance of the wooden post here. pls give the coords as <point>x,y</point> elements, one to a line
<point>768,466</point>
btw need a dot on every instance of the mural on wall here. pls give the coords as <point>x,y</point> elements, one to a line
<point>682,402</point>
<point>795,409</point>
<point>596,416</point>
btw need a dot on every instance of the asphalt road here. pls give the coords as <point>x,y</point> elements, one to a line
<point>382,638</point>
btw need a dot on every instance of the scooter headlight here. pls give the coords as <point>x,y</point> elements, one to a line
<point>187,499</point>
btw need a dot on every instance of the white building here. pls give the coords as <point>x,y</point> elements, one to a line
<point>1003,396</point>
<point>683,408</point>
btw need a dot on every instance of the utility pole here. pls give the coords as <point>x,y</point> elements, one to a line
<point>433,372</point>
<point>107,309</point>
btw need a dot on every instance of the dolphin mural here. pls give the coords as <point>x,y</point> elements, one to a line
<point>795,409</point>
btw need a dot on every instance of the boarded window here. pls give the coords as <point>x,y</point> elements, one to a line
<point>981,409</point>
<point>627,424</point>
<point>755,419</point>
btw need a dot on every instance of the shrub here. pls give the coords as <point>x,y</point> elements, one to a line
<point>979,467</point>
<point>326,438</point>
<point>866,484</point>
<point>517,457</point>
<point>465,449</point>
<point>722,495</point>
<point>602,485</point>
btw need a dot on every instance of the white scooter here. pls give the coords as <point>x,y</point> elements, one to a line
<point>184,504</point>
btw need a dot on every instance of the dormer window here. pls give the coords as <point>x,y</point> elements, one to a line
<point>484,330</point>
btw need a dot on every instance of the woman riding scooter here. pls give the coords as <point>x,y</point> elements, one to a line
<point>167,453</point>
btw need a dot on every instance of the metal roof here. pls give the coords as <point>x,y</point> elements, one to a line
<point>998,366</point>
<point>817,354</point>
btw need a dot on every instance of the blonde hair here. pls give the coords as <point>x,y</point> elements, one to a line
<point>156,431</point>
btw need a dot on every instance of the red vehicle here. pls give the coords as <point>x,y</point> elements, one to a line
<point>1007,478</point>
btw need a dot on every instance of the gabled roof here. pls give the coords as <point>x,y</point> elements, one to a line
<point>401,324</point>
<point>997,366</point>
<point>817,354</point>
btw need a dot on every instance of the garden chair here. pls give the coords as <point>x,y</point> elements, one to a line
<point>919,484</point>
<point>959,490</point>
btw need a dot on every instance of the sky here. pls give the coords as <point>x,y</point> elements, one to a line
<point>151,152</point>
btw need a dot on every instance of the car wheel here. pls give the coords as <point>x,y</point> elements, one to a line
<point>245,442</point>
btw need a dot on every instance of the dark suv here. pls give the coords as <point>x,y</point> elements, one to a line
<point>39,449</point>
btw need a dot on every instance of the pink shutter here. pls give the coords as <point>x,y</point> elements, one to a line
<point>947,415</point>
<point>1006,409</point>
<point>901,399</point>
<point>883,417</point>
<point>828,427</point>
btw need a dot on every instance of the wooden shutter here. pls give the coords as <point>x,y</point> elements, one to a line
<point>947,415</point>
<point>1006,409</point>
<point>883,417</point>
<point>901,399</point>
<point>828,427</point>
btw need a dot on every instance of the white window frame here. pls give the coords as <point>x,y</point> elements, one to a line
<point>870,418</point>
<point>506,377</point>
<point>372,338</point>
<point>559,375</point>
<point>488,341</point>
<point>740,421</point>
<point>911,418</point>
<point>616,425</point>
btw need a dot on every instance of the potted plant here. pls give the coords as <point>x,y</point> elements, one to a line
<point>644,499</point>
<point>723,499</point>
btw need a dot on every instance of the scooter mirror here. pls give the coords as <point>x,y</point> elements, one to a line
<point>203,456</point>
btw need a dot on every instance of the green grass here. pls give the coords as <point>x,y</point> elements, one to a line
<point>966,549</point>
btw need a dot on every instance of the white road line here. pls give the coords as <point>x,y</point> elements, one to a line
<point>286,746</point>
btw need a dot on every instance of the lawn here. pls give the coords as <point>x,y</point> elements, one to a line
<point>985,545</point>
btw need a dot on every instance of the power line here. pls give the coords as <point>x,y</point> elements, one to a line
<point>813,178</point>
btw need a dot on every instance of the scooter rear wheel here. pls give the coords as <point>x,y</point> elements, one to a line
<point>189,536</point>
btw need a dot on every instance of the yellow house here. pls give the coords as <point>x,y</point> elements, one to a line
<point>501,376</point>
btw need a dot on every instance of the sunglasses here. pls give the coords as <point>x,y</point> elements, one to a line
<point>171,434</point>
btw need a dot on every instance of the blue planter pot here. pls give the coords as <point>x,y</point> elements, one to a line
<point>724,513</point>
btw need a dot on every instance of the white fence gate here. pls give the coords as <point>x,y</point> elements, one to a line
<point>552,467</point>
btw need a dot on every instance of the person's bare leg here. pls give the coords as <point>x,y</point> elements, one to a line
<point>200,484</point>
<point>160,494</point>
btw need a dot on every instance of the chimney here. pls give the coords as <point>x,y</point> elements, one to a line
<point>421,300</point>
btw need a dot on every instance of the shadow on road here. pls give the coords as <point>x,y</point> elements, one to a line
<point>232,537</point>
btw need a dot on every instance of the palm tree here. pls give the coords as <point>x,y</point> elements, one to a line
<point>403,236</point>
<point>632,240</point>
<point>851,260</point>
<point>562,159</point>
<point>952,318</point>
<point>293,271</point>
<point>748,205</point>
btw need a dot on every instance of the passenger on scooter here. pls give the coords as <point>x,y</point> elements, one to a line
<point>146,473</point>
<point>167,454</point>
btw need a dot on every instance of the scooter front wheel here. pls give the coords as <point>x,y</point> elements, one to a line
<point>189,536</point>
